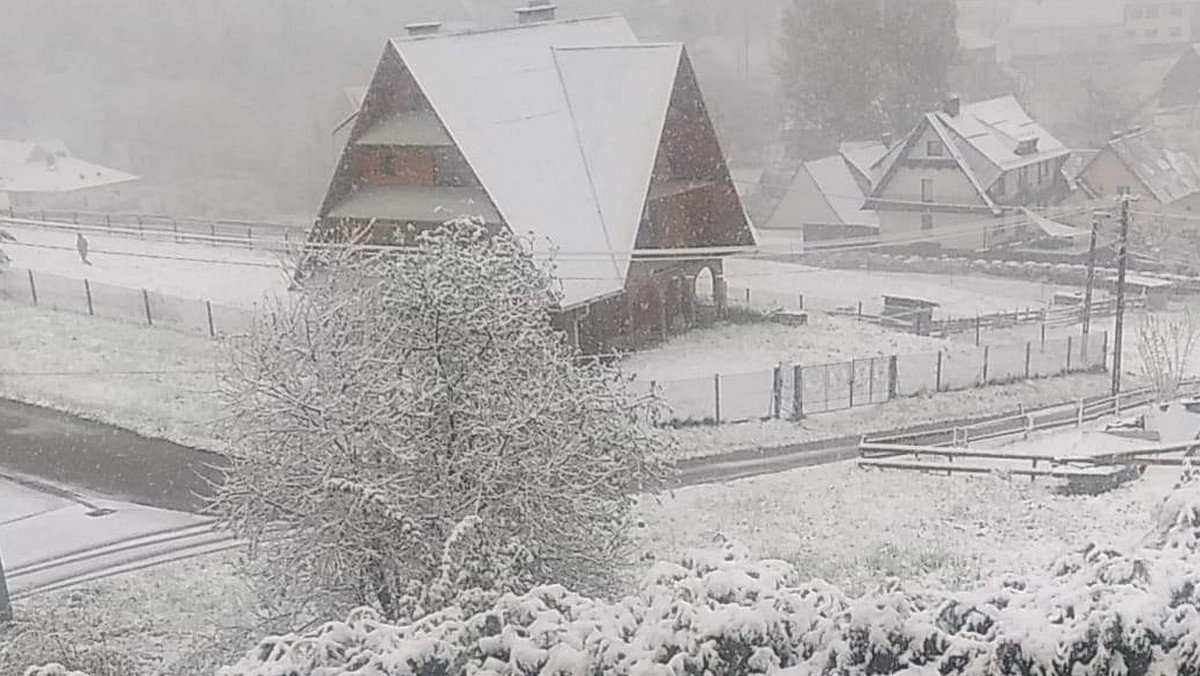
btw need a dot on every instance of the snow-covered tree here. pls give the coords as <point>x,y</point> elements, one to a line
<point>1166,343</point>
<point>411,427</point>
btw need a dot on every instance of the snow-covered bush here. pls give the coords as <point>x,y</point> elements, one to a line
<point>1095,612</point>
<point>409,407</point>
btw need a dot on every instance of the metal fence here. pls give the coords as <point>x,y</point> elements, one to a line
<point>797,390</point>
<point>140,306</point>
<point>217,232</point>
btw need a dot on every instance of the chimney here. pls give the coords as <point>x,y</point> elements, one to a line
<point>536,12</point>
<point>426,28</point>
<point>952,106</point>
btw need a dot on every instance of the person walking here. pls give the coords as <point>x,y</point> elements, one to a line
<point>81,245</point>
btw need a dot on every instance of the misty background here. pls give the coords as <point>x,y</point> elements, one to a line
<point>227,107</point>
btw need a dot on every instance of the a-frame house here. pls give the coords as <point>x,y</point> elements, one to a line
<point>598,145</point>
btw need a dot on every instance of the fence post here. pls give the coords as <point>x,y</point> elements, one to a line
<point>937,383</point>
<point>212,332</point>
<point>777,391</point>
<point>87,289</point>
<point>1028,353</point>
<point>976,330</point>
<point>249,237</point>
<point>801,301</point>
<point>987,349</point>
<point>1079,415</point>
<point>175,228</point>
<point>212,229</point>
<point>717,396</point>
<point>860,308</point>
<point>798,392</point>
<point>1070,349</point>
<point>893,376</point>
<point>108,221</point>
<point>6,613</point>
<point>146,304</point>
<point>141,232</point>
<point>32,288</point>
<point>1117,404</point>
<point>852,374</point>
<point>1043,336</point>
<point>1104,351</point>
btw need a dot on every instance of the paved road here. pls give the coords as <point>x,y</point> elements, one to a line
<point>68,451</point>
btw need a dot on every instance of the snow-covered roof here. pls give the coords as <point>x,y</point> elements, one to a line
<point>561,121</point>
<point>1076,163</point>
<point>47,166</point>
<point>862,155</point>
<point>837,185</point>
<point>1168,174</point>
<point>1053,228</point>
<point>1052,14</point>
<point>994,128</point>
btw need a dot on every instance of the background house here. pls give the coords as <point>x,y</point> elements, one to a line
<point>961,170</point>
<point>1155,25</point>
<point>1141,161</point>
<point>44,175</point>
<point>825,198</point>
<point>1051,28</point>
<point>570,130</point>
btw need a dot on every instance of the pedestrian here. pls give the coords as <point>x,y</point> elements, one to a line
<point>81,245</point>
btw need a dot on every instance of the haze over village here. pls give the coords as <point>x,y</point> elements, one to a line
<point>658,337</point>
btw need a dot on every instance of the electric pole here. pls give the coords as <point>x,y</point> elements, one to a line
<point>1091,280</point>
<point>1122,263</point>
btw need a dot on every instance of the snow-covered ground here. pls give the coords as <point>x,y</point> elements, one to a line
<point>854,527</point>
<point>745,348</point>
<point>957,295</point>
<point>224,275</point>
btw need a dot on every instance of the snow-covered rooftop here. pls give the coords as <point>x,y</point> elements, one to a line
<point>28,166</point>
<point>995,127</point>
<point>561,122</point>
<point>1168,174</point>
<point>836,183</point>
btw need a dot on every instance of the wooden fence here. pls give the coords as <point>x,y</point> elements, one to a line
<point>216,232</point>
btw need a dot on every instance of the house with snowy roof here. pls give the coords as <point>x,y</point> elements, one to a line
<point>572,130</point>
<point>37,175</point>
<point>1141,161</point>
<point>963,171</point>
<point>825,198</point>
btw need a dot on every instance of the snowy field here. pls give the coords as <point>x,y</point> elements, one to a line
<point>855,527</point>
<point>957,295</point>
<point>744,348</point>
<point>223,275</point>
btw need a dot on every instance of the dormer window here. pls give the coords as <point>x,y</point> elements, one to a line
<point>1027,146</point>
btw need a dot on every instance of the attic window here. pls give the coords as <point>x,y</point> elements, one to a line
<point>935,148</point>
<point>1027,146</point>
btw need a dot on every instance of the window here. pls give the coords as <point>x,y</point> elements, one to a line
<point>1176,10</point>
<point>451,169</point>
<point>1150,33</point>
<point>927,221</point>
<point>934,148</point>
<point>1122,190</point>
<point>1150,13</point>
<point>387,164</point>
<point>927,190</point>
<point>1135,13</point>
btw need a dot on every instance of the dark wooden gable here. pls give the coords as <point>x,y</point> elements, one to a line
<point>692,201</point>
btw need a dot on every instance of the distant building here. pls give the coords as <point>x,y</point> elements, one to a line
<point>1155,25</point>
<point>978,75</point>
<point>570,130</point>
<point>1181,85</point>
<point>962,169</point>
<point>44,175</point>
<point>1053,28</point>
<point>825,199</point>
<point>1140,161</point>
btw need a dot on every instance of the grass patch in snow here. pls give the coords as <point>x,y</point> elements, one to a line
<point>855,527</point>
<point>111,372</point>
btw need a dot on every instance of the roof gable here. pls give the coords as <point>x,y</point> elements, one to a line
<point>837,185</point>
<point>996,127</point>
<point>618,98</point>
<point>501,98</point>
<point>47,166</point>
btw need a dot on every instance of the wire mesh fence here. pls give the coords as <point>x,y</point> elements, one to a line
<point>138,306</point>
<point>797,390</point>
<point>224,232</point>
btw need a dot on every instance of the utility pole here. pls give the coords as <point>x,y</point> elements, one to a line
<point>1091,280</point>
<point>1122,263</point>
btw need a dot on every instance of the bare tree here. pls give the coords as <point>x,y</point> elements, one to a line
<point>408,409</point>
<point>1165,345</point>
